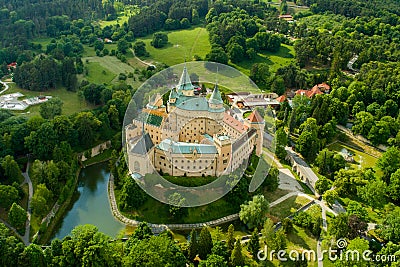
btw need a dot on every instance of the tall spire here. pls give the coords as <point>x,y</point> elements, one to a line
<point>184,83</point>
<point>216,96</point>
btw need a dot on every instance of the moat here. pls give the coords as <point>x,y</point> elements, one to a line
<point>91,204</point>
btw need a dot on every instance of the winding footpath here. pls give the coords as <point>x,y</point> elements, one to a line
<point>5,87</point>
<point>27,180</point>
<point>24,238</point>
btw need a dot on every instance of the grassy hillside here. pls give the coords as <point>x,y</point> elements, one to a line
<point>181,44</point>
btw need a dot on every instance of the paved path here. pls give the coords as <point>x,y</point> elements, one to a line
<point>157,228</point>
<point>14,230</point>
<point>5,87</point>
<point>141,61</point>
<point>29,213</point>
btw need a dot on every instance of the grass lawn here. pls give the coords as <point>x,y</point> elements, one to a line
<point>43,41</point>
<point>71,100</point>
<point>105,155</point>
<point>154,211</point>
<point>181,44</point>
<point>283,57</point>
<point>24,201</point>
<point>289,206</point>
<point>362,160</point>
<point>105,70</point>
<point>272,196</point>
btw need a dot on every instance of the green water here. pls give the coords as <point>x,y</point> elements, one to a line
<point>91,205</point>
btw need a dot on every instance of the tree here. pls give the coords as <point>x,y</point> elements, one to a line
<point>42,142</point>
<point>281,142</point>
<point>86,124</point>
<point>230,239</point>
<point>156,251</point>
<point>278,85</point>
<point>254,244</point>
<point>260,74</point>
<point>254,212</point>
<point>17,216</point>
<point>143,231</point>
<point>339,226</point>
<point>176,203</point>
<point>217,54</point>
<point>283,7</point>
<point>51,108</point>
<point>11,169</point>
<point>363,123</point>
<point>287,225</point>
<point>140,49</point>
<point>390,228</point>
<point>308,142</point>
<point>132,196</point>
<point>374,193</point>
<point>235,53</point>
<point>331,196</point>
<point>113,116</point>
<point>193,245</point>
<point>389,163</point>
<point>159,39</point>
<point>237,256</point>
<point>40,199</point>
<point>356,226</point>
<point>204,243</point>
<point>214,261</point>
<point>279,241</point>
<point>322,185</point>
<point>122,46</point>
<point>185,23</point>
<point>355,208</point>
<point>8,195</point>
<point>393,188</point>
<point>268,232</point>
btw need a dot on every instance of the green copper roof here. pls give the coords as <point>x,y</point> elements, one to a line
<point>216,96</point>
<point>185,83</point>
<point>186,148</point>
<point>173,94</point>
<point>195,103</point>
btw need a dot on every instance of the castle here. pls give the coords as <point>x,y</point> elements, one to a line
<point>190,135</point>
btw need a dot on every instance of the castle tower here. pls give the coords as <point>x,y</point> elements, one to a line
<point>223,144</point>
<point>257,122</point>
<point>185,86</point>
<point>215,100</point>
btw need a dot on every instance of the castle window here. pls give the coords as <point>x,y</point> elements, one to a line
<point>136,166</point>
<point>225,161</point>
<point>212,167</point>
<point>162,157</point>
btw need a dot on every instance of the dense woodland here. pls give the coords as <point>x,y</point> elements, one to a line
<point>365,98</point>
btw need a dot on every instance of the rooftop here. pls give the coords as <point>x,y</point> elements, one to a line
<point>186,148</point>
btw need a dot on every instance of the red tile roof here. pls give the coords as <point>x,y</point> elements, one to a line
<point>322,86</point>
<point>255,117</point>
<point>309,93</point>
<point>281,99</point>
<point>234,123</point>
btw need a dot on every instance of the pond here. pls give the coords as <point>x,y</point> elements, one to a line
<point>91,205</point>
